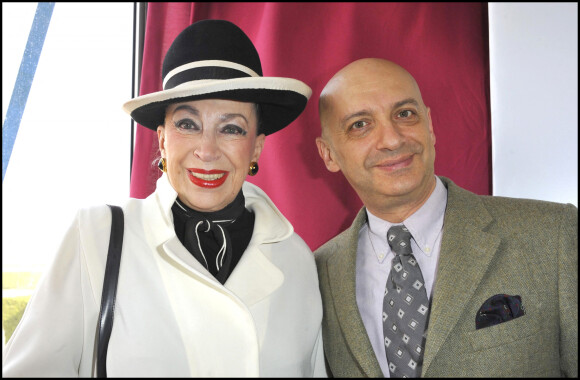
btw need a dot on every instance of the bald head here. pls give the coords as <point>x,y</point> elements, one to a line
<point>377,131</point>
<point>363,72</point>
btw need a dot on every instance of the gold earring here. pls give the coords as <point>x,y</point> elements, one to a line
<point>162,165</point>
<point>253,168</point>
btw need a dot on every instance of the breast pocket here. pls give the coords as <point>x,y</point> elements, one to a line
<point>503,333</point>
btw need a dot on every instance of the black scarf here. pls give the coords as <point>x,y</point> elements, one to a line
<point>216,239</point>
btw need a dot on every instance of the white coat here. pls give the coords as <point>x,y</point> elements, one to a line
<point>172,318</point>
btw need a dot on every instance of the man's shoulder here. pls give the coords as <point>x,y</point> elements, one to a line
<point>506,208</point>
<point>343,240</point>
<point>327,249</point>
<point>501,202</point>
<point>524,212</point>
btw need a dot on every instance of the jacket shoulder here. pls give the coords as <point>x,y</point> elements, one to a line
<point>516,213</point>
<point>522,205</point>
<point>327,249</point>
<point>508,208</point>
<point>343,240</point>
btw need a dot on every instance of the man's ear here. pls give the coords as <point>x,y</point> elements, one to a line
<point>327,155</point>
<point>431,132</point>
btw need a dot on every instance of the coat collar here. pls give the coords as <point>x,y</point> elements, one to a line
<point>255,277</point>
<point>466,252</point>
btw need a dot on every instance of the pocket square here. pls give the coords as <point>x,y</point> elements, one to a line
<point>498,309</point>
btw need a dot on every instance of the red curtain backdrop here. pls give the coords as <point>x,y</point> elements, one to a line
<point>443,45</point>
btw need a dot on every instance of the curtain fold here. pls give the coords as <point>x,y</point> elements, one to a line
<point>443,45</point>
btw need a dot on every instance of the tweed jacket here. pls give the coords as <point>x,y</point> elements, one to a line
<point>490,245</point>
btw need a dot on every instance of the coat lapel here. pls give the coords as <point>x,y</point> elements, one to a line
<point>466,251</point>
<point>255,277</point>
<point>270,226</point>
<point>342,281</point>
<point>243,282</point>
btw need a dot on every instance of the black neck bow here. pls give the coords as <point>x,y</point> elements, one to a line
<point>207,237</point>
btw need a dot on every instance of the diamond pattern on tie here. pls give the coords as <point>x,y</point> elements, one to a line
<point>406,310</point>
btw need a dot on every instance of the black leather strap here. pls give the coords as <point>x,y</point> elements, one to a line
<point>109,289</point>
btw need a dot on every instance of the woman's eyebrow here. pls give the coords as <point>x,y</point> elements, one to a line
<point>229,116</point>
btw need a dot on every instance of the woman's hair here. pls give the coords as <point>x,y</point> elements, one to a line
<point>258,118</point>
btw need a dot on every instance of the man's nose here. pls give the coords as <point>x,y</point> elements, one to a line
<point>389,135</point>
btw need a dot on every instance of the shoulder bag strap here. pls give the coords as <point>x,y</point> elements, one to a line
<point>109,289</point>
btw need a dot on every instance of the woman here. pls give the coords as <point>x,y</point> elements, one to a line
<point>213,280</point>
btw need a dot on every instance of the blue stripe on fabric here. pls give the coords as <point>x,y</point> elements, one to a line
<point>24,80</point>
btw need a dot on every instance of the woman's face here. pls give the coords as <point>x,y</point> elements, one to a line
<point>208,146</point>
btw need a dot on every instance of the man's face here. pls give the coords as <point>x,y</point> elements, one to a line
<point>378,132</point>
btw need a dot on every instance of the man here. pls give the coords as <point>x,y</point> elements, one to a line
<point>496,293</point>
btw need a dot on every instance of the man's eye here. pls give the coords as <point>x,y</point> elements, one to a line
<point>232,129</point>
<point>358,124</point>
<point>406,113</point>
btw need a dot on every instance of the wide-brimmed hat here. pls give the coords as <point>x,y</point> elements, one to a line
<point>216,59</point>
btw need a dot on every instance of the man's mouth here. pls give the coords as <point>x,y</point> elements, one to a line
<point>393,165</point>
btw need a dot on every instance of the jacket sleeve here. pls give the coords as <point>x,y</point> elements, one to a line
<point>50,339</point>
<point>568,291</point>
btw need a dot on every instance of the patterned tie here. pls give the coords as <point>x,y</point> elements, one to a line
<point>405,308</point>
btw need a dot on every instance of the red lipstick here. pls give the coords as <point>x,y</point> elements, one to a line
<point>208,179</point>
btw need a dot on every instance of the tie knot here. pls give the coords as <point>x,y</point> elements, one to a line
<point>399,239</point>
<point>203,225</point>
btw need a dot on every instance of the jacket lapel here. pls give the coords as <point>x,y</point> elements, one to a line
<point>466,251</point>
<point>270,226</point>
<point>255,277</point>
<point>342,279</point>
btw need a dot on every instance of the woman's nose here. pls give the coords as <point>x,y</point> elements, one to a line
<point>207,148</point>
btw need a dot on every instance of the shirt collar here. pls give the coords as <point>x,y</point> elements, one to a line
<point>425,224</point>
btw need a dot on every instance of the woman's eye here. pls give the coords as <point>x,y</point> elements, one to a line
<point>232,129</point>
<point>186,124</point>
